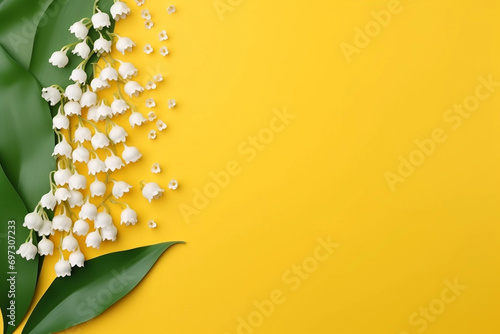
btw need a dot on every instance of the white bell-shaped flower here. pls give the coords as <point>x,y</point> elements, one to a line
<point>104,111</point>
<point>96,166</point>
<point>62,149</point>
<point>78,75</point>
<point>88,211</point>
<point>46,228</point>
<point>120,188</point>
<point>119,106</point>
<point>48,201</point>
<point>82,134</point>
<point>75,198</point>
<point>152,191</point>
<point>136,118</point>
<point>77,258</point>
<point>108,73</point>
<point>63,268</point>
<point>131,154</point>
<point>100,20</point>
<point>103,220</point>
<point>70,243</point>
<point>113,163</point>
<point>73,92</point>
<point>61,176</point>
<point>99,140</point>
<point>92,114</point>
<point>109,233</point>
<point>127,70</point>
<point>51,95</point>
<point>124,44</point>
<point>59,59</point>
<point>97,188</point>
<point>27,250</point>
<point>45,247</point>
<point>98,84</point>
<point>80,154</point>
<point>88,99</point>
<point>81,227</point>
<point>33,221</point>
<point>61,222</point>
<point>82,50</point>
<point>102,45</point>
<point>133,88</point>
<point>77,181</point>
<point>61,195</point>
<point>93,239</point>
<point>119,10</point>
<point>128,217</point>
<point>60,121</point>
<point>79,29</point>
<point>117,134</point>
<point>72,108</point>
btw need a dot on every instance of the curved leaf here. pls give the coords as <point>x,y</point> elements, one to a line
<point>91,290</point>
<point>54,35</point>
<point>20,19</point>
<point>14,299</point>
<point>26,137</point>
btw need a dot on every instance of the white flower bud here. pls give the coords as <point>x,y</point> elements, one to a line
<point>78,75</point>
<point>61,222</point>
<point>98,84</point>
<point>82,134</point>
<point>127,70</point>
<point>136,118</point>
<point>99,140</point>
<point>46,228</point>
<point>113,163</point>
<point>72,108</point>
<point>63,268</point>
<point>130,154</point>
<point>70,243</point>
<point>77,181</point>
<point>62,149</point>
<point>93,239</point>
<point>108,73</point>
<point>60,121</point>
<point>117,134</point>
<point>33,221</point>
<point>88,211</point>
<point>79,29</point>
<point>61,176</point>
<point>27,250</point>
<point>120,188</point>
<point>77,258</point>
<point>96,166</point>
<point>119,106</point>
<point>48,201</point>
<point>128,217</point>
<point>103,219</point>
<point>104,111</point>
<point>61,195</point>
<point>119,10</point>
<point>73,92</point>
<point>59,59</point>
<point>151,191</point>
<point>45,247</point>
<point>92,114</point>
<point>81,154</point>
<point>124,44</point>
<point>97,188</point>
<point>88,99</point>
<point>81,227</point>
<point>100,20</point>
<point>102,45</point>
<point>51,95</point>
<point>82,50</point>
<point>109,233</point>
<point>75,198</point>
<point>132,88</point>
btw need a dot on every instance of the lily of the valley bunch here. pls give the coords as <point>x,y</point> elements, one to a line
<point>84,140</point>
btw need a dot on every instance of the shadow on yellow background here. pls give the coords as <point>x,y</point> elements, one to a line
<point>338,165</point>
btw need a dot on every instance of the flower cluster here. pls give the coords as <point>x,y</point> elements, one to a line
<point>88,138</point>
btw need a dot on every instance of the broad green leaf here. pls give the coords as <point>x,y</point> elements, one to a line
<point>26,137</point>
<point>91,290</point>
<point>55,34</point>
<point>19,21</point>
<point>15,298</point>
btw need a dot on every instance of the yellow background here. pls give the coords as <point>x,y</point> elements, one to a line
<point>323,175</point>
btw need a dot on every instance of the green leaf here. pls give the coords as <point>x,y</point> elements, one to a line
<point>26,137</point>
<point>19,271</point>
<point>91,290</point>
<point>20,19</point>
<point>67,13</point>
